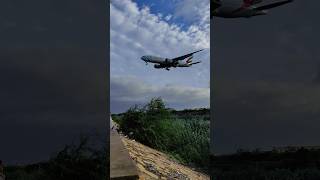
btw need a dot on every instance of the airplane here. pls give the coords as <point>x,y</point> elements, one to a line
<point>167,63</point>
<point>241,8</point>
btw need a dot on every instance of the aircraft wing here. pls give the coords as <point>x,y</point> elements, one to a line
<point>273,5</point>
<point>185,56</point>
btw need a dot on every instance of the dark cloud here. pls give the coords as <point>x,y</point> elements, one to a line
<point>127,91</point>
<point>317,75</point>
<point>265,68</point>
<point>52,23</point>
<point>49,92</point>
<point>53,76</point>
<point>265,114</point>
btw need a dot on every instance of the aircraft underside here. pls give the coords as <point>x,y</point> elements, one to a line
<point>162,66</point>
<point>242,8</point>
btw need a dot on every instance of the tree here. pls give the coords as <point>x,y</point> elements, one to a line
<point>156,109</point>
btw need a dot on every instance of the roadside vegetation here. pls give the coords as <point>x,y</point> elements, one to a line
<point>80,161</point>
<point>184,135</point>
<point>291,164</point>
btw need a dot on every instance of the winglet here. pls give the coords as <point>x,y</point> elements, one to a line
<point>199,50</point>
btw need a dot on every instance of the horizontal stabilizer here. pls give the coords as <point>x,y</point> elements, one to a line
<point>195,62</point>
<point>269,6</point>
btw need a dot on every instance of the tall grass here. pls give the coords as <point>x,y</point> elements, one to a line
<point>186,139</point>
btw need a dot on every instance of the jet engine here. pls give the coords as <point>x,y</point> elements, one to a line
<point>157,66</point>
<point>258,13</point>
<point>168,61</point>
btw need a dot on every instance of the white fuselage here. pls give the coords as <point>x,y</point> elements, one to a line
<point>243,8</point>
<point>155,59</point>
<point>237,8</point>
<point>164,62</point>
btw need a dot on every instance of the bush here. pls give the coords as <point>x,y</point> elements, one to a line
<point>186,139</point>
<point>75,162</point>
<point>80,161</point>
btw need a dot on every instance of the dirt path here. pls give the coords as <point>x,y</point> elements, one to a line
<point>153,164</point>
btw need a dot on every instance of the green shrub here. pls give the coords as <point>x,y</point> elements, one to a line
<point>186,139</point>
<point>80,161</point>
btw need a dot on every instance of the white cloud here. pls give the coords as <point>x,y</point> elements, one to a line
<point>135,31</point>
<point>194,10</point>
<point>155,35</point>
<point>168,17</point>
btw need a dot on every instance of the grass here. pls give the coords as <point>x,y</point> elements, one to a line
<point>182,135</point>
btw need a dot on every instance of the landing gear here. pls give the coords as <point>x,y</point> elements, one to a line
<point>167,69</point>
<point>146,63</point>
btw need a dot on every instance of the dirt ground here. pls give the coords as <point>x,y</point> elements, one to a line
<point>153,164</point>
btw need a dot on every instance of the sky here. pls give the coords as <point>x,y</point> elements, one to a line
<point>160,28</point>
<point>53,76</point>
<point>266,79</point>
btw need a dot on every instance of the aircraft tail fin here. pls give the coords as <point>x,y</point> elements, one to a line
<point>189,60</point>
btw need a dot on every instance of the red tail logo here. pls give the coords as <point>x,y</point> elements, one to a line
<point>247,3</point>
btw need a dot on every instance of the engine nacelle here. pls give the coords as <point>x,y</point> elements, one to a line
<point>157,66</point>
<point>258,13</point>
